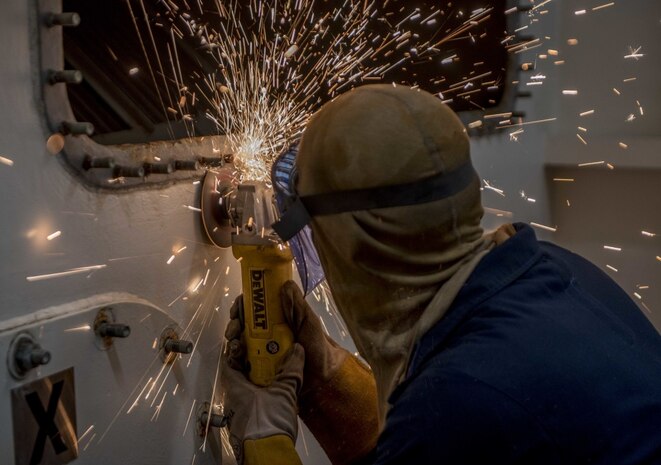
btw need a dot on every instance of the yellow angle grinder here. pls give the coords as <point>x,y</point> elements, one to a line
<point>240,216</point>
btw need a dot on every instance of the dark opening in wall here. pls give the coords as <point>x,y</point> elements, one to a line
<point>129,99</point>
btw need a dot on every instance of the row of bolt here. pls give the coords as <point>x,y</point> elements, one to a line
<point>27,354</point>
<point>79,128</point>
<point>146,169</point>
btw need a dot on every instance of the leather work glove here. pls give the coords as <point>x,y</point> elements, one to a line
<point>263,421</point>
<point>338,400</point>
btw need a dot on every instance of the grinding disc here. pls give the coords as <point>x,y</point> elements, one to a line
<point>214,202</point>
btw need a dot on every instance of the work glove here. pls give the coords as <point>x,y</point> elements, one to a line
<point>338,400</point>
<point>263,421</point>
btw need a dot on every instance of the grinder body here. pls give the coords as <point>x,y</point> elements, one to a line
<point>266,336</point>
<point>240,216</point>
<point>266,264</point>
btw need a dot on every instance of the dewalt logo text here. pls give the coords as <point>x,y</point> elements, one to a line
<point>258,299</point>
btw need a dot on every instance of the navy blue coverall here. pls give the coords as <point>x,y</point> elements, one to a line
<point>542,359</point>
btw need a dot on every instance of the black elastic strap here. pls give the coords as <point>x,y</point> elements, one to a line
<point>436,187</point>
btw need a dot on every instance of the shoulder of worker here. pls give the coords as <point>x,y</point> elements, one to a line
<point>530,363</point>
<point>540,285</point>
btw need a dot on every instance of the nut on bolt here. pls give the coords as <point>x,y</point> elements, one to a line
<point>62,19</point>
<point>170,345</point>
<point>77,128</point>
<point>67,76</point>
<point>178,346</point>
<point>26,354</point>
<point>113,330</point>
<point>106,328</point>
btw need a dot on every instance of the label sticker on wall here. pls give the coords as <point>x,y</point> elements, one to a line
<point>44,418</point>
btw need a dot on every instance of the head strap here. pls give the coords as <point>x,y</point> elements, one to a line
<point>436,187</point>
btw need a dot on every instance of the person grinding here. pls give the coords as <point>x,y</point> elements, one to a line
<point>483,349</point>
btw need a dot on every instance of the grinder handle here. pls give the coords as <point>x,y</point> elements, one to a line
<point>267,336</point>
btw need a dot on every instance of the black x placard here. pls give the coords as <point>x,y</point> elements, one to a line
<point>44,418</point>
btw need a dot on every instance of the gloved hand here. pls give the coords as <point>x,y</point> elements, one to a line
<point>338,401</point>
<point>263,421</point>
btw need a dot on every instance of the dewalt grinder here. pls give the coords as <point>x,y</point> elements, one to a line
<point>240,216</point>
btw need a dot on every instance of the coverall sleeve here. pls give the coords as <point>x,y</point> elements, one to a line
<point>460,421</point>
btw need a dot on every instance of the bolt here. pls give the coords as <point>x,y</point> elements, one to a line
<point>217,421</point>
<point>113,330</point>
<point>154,168</point>
<point>208,161</point>
<point>30,355</point>
<point>77,128</point>
<point>178,346</point>
<point>62,19</point>
<point>67,76</point>
<point>129,172</point>
<point>186,165</point>
<point>105,162</point>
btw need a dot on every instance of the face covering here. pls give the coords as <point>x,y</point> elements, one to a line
<point>394,271</point>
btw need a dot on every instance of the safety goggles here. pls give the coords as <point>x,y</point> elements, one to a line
<point>297,211</point>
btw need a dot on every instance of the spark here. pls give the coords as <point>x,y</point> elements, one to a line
<point>610,247</point>
<point>617,92</point>
<point>193,209</point>
<point>90,442</point>
<point>572,41</point>
<point>648,234</point>
<point>601,7</point>
<point>134,71</point>
<point>78,328</point>
<point>499,213</point>
<point>623,145</point>
<point>638,296</point>
<point>544,227</point>
<point>586,113</point>
<point>580,12</point>
<point>61,274</point>
<point>581,139</point>
<point>475,124</point>
<point>634,53</point>
<point>85,434</point>
<point>171,259</point>
<point>592,163</point>
<point>611,268</point>
<point>54,235</point>
<point>492,188</point>
<point>569,92</point>
<point>563,179</point>
<point>528,123</point>
<point>6,161</point>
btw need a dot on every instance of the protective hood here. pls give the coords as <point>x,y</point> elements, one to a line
<point>393,271</point>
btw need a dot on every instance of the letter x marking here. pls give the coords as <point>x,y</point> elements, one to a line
<point>45,420</point>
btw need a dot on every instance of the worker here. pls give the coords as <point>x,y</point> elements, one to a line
<point>482,348</point>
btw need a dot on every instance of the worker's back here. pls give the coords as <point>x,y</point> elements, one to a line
<point>542,359</point>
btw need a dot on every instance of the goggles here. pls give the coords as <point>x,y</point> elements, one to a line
<point>296,212</point>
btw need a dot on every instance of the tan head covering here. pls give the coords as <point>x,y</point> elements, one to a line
<point>395,271</point>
